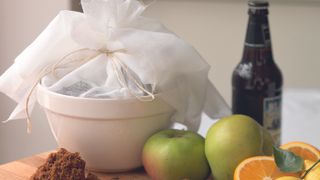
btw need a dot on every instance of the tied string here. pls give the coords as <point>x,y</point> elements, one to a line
<point>120,69</point>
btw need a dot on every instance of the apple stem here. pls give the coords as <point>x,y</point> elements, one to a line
<point>314,165</point>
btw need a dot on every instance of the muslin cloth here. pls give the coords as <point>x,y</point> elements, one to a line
<point>146,54</point>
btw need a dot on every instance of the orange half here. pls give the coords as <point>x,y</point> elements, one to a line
<point>304,150</point>
<point>259,168</point>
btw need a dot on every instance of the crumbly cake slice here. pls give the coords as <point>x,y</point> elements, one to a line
<point>61,165</point>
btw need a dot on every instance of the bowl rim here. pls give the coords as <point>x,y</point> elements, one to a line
<point>97,108</point>
<point>46,90</point>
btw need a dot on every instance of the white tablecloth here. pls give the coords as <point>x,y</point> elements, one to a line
<point>300,116</point>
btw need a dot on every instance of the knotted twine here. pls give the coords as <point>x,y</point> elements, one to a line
<point>120,69</point>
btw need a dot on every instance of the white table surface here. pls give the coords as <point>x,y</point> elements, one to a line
<point>300,116</point>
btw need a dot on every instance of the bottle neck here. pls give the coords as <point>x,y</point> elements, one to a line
<point>257,46</point>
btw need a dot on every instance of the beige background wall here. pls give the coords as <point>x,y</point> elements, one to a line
<point>216,28</point>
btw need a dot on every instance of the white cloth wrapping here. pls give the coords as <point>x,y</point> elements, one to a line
<point>154,55</point>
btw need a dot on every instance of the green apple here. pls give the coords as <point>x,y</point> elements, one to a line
<point>231,140</point>
<point>175,155</point>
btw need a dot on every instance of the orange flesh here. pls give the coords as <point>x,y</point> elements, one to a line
<point>264,167</point>
<point>306,151</point>
<point>259,168</point>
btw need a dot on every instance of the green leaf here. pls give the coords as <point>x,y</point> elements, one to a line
<point>287,161</point>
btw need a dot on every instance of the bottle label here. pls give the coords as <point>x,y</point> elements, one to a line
<point>266,34</point>
<point>258,36</point>
<point>272,117</point>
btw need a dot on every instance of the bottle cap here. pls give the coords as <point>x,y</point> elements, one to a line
<point>258,3</point>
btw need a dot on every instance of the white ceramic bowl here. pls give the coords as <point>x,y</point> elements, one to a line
<point>109,134</point>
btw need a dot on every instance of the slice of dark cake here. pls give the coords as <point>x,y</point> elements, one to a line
<point>61,165</point>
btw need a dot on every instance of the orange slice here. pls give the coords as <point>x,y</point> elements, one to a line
<point>259,168</point>
<point>304,150</point>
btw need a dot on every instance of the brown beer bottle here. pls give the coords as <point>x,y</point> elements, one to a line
<point>257,81</point>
